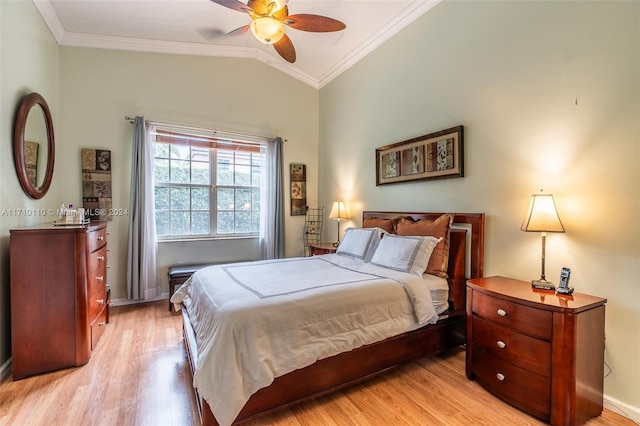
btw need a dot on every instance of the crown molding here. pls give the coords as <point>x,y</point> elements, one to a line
<point>50,19</point>
<point>64,38</point>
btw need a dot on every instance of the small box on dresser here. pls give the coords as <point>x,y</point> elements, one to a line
<point>540,351</point>
<point>59,296</point>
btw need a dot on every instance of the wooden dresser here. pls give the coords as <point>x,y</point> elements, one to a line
<point>540,351</point>
<point>59,296</point>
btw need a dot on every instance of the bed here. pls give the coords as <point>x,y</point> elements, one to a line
<point>345,359</point>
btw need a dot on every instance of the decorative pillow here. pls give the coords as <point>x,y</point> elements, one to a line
<point>387,225</point>
<point>404,254</point>
<point>438,228</point>
<point>359,243</point>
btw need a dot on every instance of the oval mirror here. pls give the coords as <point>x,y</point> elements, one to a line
<point>34,145</point>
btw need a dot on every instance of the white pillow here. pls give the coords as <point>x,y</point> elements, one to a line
<point>405,254</point>
<point>359,243</point>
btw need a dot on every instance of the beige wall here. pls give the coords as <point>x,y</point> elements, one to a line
<point>29,60</point>
<point>549,96</point>
<point>100,87</point>
<point>90,91</point>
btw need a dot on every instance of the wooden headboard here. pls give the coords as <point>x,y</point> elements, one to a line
<point>463,224</point>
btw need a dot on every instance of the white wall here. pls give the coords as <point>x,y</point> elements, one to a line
<point>29,60</point>
<point>549,96</point>
<point>100,87</point>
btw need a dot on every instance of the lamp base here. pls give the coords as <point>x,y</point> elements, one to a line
<point>542,284</point>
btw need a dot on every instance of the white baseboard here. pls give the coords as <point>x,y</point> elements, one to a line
<point>624,409</point>
<point>5,370</point>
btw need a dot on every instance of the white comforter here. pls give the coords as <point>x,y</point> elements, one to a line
<point>259,320</point>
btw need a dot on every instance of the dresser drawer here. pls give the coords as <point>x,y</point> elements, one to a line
<point>97,259</point>
<point>98,326</point>
<point>525,319</point>
<point>519,387</point>
<point>523,351</point>
<point>97,281</point>
<point>97,303</point>
<point>97,239</point>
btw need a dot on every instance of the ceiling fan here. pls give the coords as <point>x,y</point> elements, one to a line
<point>268,20</point>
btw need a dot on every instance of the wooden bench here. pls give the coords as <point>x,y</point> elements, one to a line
<point>179,274</point>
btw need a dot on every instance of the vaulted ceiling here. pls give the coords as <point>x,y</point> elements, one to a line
<point>201,27</point>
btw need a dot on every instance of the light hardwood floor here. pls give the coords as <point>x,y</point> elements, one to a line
<point>138,375</point>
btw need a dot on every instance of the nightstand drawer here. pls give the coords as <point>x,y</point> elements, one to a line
<point>523,351</point>
<point>518,387</point>
<point>531,321</point>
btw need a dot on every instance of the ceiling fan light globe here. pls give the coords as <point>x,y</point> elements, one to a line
<point>267,29</point>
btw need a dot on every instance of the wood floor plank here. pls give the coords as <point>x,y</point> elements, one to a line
<point>139,376</point>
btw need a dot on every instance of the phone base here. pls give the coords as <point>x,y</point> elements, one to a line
<point>563,290</point>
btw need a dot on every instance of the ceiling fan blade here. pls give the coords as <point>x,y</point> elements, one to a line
<point>285,49</point>
<point>239,31</point>
<point>314,23</point>
<point>234,4</point>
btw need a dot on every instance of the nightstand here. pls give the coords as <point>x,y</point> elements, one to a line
<point>321,248</point>
<point>540,351</point>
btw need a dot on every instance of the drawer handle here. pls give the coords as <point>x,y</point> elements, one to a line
<point>102,323</point>
<point>100,258</point>
<point>100,301</point>
<point>502,312</point>
<point>100,278</point>
<point>500,377</point>
<point>501,344</point>
<point>100,238</point>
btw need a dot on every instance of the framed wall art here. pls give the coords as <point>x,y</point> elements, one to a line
<point>298,175</point>
<point>96,183</point>
<point>437,155</point>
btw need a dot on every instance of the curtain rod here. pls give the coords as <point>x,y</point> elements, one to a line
<point>219,133</point>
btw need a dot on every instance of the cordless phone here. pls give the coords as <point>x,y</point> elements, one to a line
<point>563,287</point>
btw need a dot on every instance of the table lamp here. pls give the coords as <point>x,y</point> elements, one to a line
<point>542,217</point>
<point>338,211</point>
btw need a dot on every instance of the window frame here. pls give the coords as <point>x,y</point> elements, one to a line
<point>214,143</point>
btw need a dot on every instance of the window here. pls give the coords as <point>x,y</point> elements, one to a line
<point>206,186</point>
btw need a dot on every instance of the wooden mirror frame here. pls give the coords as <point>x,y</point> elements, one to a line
<point>27,103</point>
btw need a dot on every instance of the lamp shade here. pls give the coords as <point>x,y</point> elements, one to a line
<point>542,215</point>
<point>338,211</point>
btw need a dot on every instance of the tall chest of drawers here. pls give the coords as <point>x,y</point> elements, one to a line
<point>539,351</point>
<point>59,296</point>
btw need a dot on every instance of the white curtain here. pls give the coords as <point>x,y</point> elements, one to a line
<point>142,282</point>
<point>272,199</point>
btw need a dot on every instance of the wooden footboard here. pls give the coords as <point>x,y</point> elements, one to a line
<point>345,369</point>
